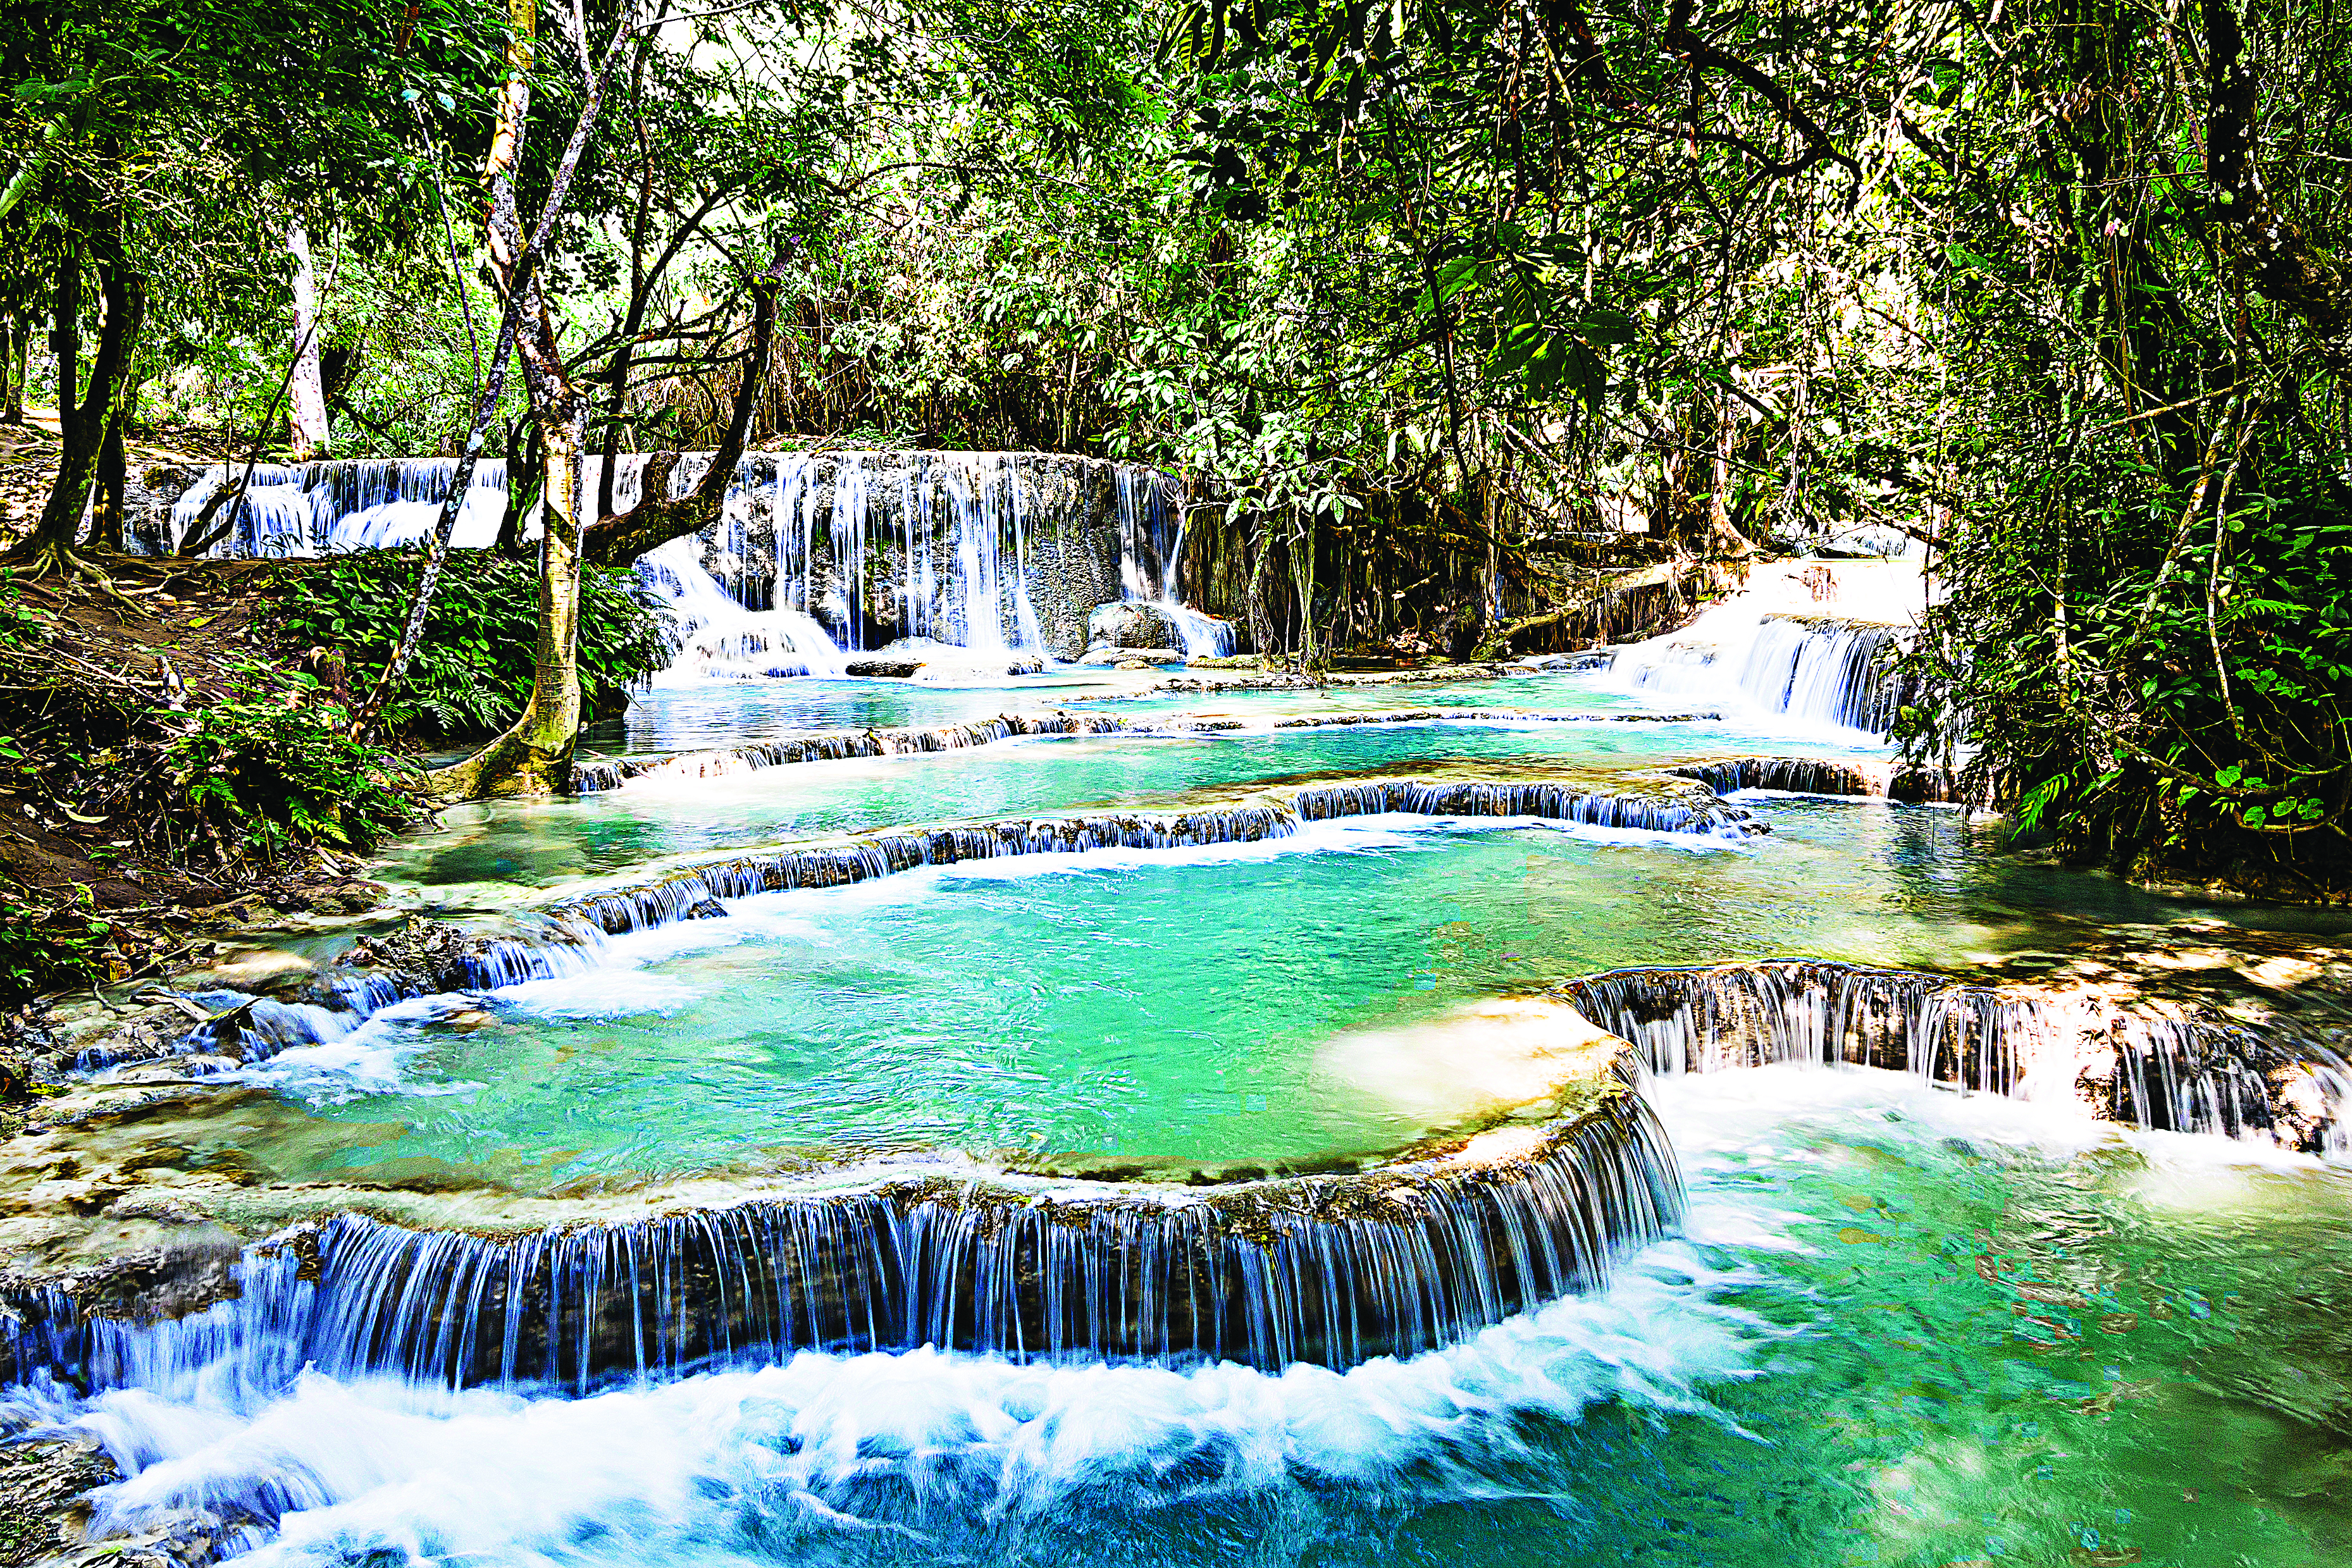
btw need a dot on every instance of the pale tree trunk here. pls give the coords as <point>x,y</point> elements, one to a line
<point>534,756</point>
<point>308,411</point>
<point>15,338</point>
<point>526,326</point>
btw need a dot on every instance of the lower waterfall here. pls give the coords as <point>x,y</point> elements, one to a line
<point>1332,1272</point>
<point>2133,1066</point>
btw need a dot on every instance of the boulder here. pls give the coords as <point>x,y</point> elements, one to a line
<point>1133,623</point>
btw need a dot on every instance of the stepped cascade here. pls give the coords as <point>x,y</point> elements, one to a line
<point>1824,673</point>
<point>817,554</point>
<point>1333,1271</point>
<point>1377,1076</point>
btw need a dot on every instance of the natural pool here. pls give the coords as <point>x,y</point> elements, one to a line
<point>487,852</point>
<point>1904,1328</point>
<point>1203,1004</point>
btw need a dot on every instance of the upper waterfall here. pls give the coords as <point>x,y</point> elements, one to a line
<point>994,551</point>
<point>1805,647</point>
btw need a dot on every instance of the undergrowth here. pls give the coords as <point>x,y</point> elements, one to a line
<point>472,671</point>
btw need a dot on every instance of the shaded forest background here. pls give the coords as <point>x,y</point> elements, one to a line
<point>1449,315</point>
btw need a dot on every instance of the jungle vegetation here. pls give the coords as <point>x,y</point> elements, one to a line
<point>1428,303</point>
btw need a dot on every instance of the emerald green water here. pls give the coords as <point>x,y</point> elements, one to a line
<point>687,715</point>
<point>539,843</point>
<point>1907,1328</point>
<point>1182,1003</point>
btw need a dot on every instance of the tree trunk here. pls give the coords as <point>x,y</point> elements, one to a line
<point>106,501</point>
<point>83,422</point>
<point>534,756</point>
<point>308,411</point>
<point>15,337</point>
<point>1724,538</point>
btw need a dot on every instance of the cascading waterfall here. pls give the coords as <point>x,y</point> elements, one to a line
<point>1151,557</point>
<point>717,636</point>
<point>594,773</point>
<point>322,509</point>
<point>578,927</point>
<point>1817,672</point>
<point>1785,775</point>
<point>2132,1066</point>
<point>833,746</point>
<point>1331,1270</point>
<point>994,551</point>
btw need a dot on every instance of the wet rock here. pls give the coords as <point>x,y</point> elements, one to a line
<point>705,909</point>
<point>113,1040</point>
<point>343,896</point>
<point>1133,623</point>
<point>1025,667</point>
<point>889,669</point>
<point>43,1511</point>
<point>424,956</point>
<point>198,1536</point>
<point>254,968</point>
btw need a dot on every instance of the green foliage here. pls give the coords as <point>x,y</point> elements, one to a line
<point>2149,633</point>
<point>44,947</point>
<point>472,672</point>
<point>274,769</point>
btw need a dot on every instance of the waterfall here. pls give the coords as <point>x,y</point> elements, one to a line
<point>1821,673</point>
<point>996,551</point>
<point>1150,560</point>
<point>1697,812</point>
<point>610,773</point>
<point>1333,1271</point>
<point>321,508</point>
<point>1787,775</point>
<point>2139,1068</point>
<point>719,637</point>
<point>694,893</point>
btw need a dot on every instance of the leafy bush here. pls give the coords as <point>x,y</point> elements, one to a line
<point>277,767</point>
<point>472,671</point>
<point>2187,712</point>
<point>43,946</point>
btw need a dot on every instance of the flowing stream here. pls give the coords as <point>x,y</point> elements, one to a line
<point>1880,1267</point>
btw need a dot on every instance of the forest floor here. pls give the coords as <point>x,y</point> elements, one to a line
<point>95,684</point>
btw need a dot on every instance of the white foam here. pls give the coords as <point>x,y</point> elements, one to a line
<point>371,1058</point>
<point>605,992</point>
<point>828,1444</point>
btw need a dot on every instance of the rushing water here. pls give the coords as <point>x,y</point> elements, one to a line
<point>1902,1325</point>
<point>1904,1328</point>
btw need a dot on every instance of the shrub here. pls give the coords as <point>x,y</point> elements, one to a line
<point>472,671</point>
<point>276,767</point>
